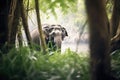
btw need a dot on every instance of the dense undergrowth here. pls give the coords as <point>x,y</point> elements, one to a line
<point>24,64</point>
<point>116,64</point>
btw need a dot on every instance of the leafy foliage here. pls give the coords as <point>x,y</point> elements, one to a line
<point>116,64</point>
<point>109,7</point>
<point>49,6</point>
<point>24,64</point>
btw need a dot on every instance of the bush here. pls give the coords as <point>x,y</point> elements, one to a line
<point>24,64</point>
<point>116,64</point>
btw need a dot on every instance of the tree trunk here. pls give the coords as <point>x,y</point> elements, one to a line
<point>43,45</point>
<point>99,40</point>
<point>10,22</point>
<point>115,26</point>
<point>115,18</point>
<point>4,11</point>
<point>13,24</point>
<point>25,22</point>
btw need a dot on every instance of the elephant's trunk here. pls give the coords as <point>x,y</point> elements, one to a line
<point>58,41</point>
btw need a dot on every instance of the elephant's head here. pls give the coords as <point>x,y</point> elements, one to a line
<point>54,35</point>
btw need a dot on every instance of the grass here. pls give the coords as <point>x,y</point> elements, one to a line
<point>116,64</point>
<point>24,64</point>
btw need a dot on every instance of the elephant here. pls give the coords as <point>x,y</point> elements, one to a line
<point>53,34</point>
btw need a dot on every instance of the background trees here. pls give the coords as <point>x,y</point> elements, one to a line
<point>14,13</point>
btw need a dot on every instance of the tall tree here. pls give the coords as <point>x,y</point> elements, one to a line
<point>13,21</point>
<point>115,17</point>
<point>115,26</point>
<point>99,40</point>
<point>25,22</point>
<point>4,11</point>
<point>40,26</point>
<point>16,23</point>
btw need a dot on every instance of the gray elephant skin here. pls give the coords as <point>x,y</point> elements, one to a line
<point>53,35</point>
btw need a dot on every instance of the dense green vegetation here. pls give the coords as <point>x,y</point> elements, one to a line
<point>116,64</point>
<point>49,6</point>
<point>23,64</point>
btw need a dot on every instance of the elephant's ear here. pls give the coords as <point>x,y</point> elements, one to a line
<point>64,33</point>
